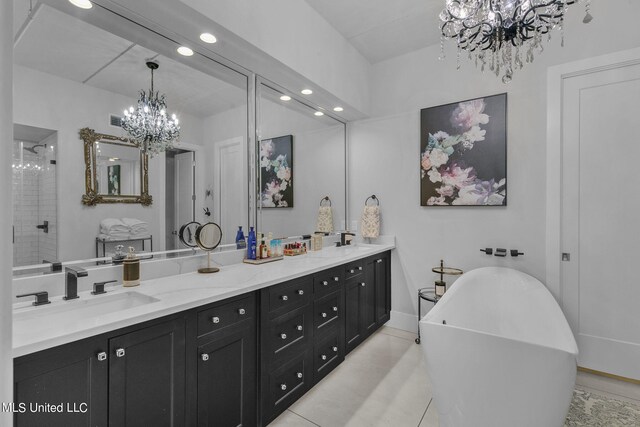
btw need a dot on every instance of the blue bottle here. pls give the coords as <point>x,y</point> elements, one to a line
<point>240,242</point>
<point>251,244</point>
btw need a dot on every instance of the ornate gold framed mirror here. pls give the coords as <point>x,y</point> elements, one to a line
<point>116,171</point>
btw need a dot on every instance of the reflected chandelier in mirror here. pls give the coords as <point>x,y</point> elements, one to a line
<point>114,164</point>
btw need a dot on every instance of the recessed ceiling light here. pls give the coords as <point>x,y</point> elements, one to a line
<point>185,51</point>
<point>319,113</point>
<point>208,38</point>
<point>306,91</point>
<point>338,109</point>
<point>82,4</point>
<point>285,98</point>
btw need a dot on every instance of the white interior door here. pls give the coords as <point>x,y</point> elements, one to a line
<point>230,187</point>
<point>600,228</point>
<point>184,197</point>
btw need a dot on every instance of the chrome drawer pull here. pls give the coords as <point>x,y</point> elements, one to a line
<point>363,284</point>
<point>241,311</point>
<point>300,292</point>
<point>120,352</point>
<point>336,279</point>
<point>215,319</point>
<point>299,374</point>
<point>323,357</point>
<point>352,271</point>
<point>335,348</point>
<point>324,314</point>
<point>335,308</point>
<point>285,298</point>
<point>102,356</point>
<point>283,387</point>
<point>299,327</point>
<point>204,357</point>
<point>360,268</point>
<point>378,261</point>
<point>283,336</point>
<point>325,283</point>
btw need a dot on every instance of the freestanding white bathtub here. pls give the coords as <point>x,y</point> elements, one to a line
<point>499,352</point>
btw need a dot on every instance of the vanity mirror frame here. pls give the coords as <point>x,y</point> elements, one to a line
<point>91,198</point>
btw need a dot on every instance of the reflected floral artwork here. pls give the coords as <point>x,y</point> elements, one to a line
<point>463,153</point>
<point>276,172</point>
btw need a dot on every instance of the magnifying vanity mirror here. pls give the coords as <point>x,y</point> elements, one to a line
<point>208,237</point>
<point>116,171</point>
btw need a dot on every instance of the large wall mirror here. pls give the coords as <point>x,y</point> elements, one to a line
<point>301,157</point>
<point>76,69</point>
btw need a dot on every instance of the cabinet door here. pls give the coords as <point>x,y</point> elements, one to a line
<point>227,382</point>
<point>147,376</point>
<point>353,314</point>
<point>71,375</point>
<point>383,288</point>
<point>368,300</point>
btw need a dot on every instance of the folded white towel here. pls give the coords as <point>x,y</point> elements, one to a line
<point>370,222</point>
<point>112,237</point>
<point>113,225</point>
<point>325,220</point>
<point>136,226</point>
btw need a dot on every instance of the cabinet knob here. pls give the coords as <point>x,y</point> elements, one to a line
<point>120,352</point>
<point>204,357</point>
<point>241,311</point>
<point>102,356</point>
<point>335,308</point>
<point>285,298</point>
<point>283,387</point>
<point>363,284</point>
<point>300,292</point>
<point>378,261</point>
<point>336,279</point>
<point>325,283</point>
<point>335,349</point>
<point>360,268</point>
<point>324,314</point>
<point>323,357</point>
<point>299,374</point>
<point>299,327</point>
<point>283,336</point>
<point>215,319</point>
<point>352,271</point>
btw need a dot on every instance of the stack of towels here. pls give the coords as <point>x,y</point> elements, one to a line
<point>123,229</point>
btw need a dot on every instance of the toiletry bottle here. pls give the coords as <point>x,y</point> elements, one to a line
<point>240,242</point>
<point>268,243</point>
<point>264,253</point>
<point>131,273</point>
<point>251,250</point>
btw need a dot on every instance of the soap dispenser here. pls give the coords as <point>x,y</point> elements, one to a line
<point>131,273</point>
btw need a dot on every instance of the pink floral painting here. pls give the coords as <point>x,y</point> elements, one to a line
<point>276,172</point>
<point>463,153</point>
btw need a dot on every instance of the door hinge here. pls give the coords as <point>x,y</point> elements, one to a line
<point>566,256</point>
<point>193,197</point>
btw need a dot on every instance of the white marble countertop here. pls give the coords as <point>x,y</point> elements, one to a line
<point>61,322</point>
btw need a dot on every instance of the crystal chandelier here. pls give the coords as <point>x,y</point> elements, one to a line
<point>500,32</point>
<point>149,125</point>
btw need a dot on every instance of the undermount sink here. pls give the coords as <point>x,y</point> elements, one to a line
<point>61,313</point>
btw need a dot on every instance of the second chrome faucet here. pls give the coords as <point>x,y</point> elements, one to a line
<point>71,281</point>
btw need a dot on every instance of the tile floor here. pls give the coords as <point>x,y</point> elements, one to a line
<point>384,383</point>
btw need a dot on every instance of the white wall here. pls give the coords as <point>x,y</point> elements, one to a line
<point>6,258</point>
<point>51,102</point>
<point>384,155</point>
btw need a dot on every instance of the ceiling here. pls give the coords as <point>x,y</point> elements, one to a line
<point>59,44</point>
<point>383,29</point>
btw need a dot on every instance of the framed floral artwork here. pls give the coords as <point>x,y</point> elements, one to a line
<point>463,153</point>
<point>276,172</point>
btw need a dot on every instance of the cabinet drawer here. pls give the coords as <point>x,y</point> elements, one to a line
<point>354,269</point>
<point>289,295</point>
<point>287,383</point>
<point>326,282</point>
<point>288,331</point>
<point>226,314</point>
<point>327,311</point>
<point>327,354</point>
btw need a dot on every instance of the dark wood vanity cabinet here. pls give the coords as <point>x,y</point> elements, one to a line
<point>237,362</point>
<point>130,377</point>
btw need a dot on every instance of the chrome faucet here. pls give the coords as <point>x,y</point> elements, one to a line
<point>71,281</point>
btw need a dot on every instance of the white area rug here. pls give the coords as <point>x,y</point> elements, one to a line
<point>589,409</point>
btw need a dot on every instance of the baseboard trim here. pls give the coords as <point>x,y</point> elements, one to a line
<point>607,375</point>
<point>406,322</point>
